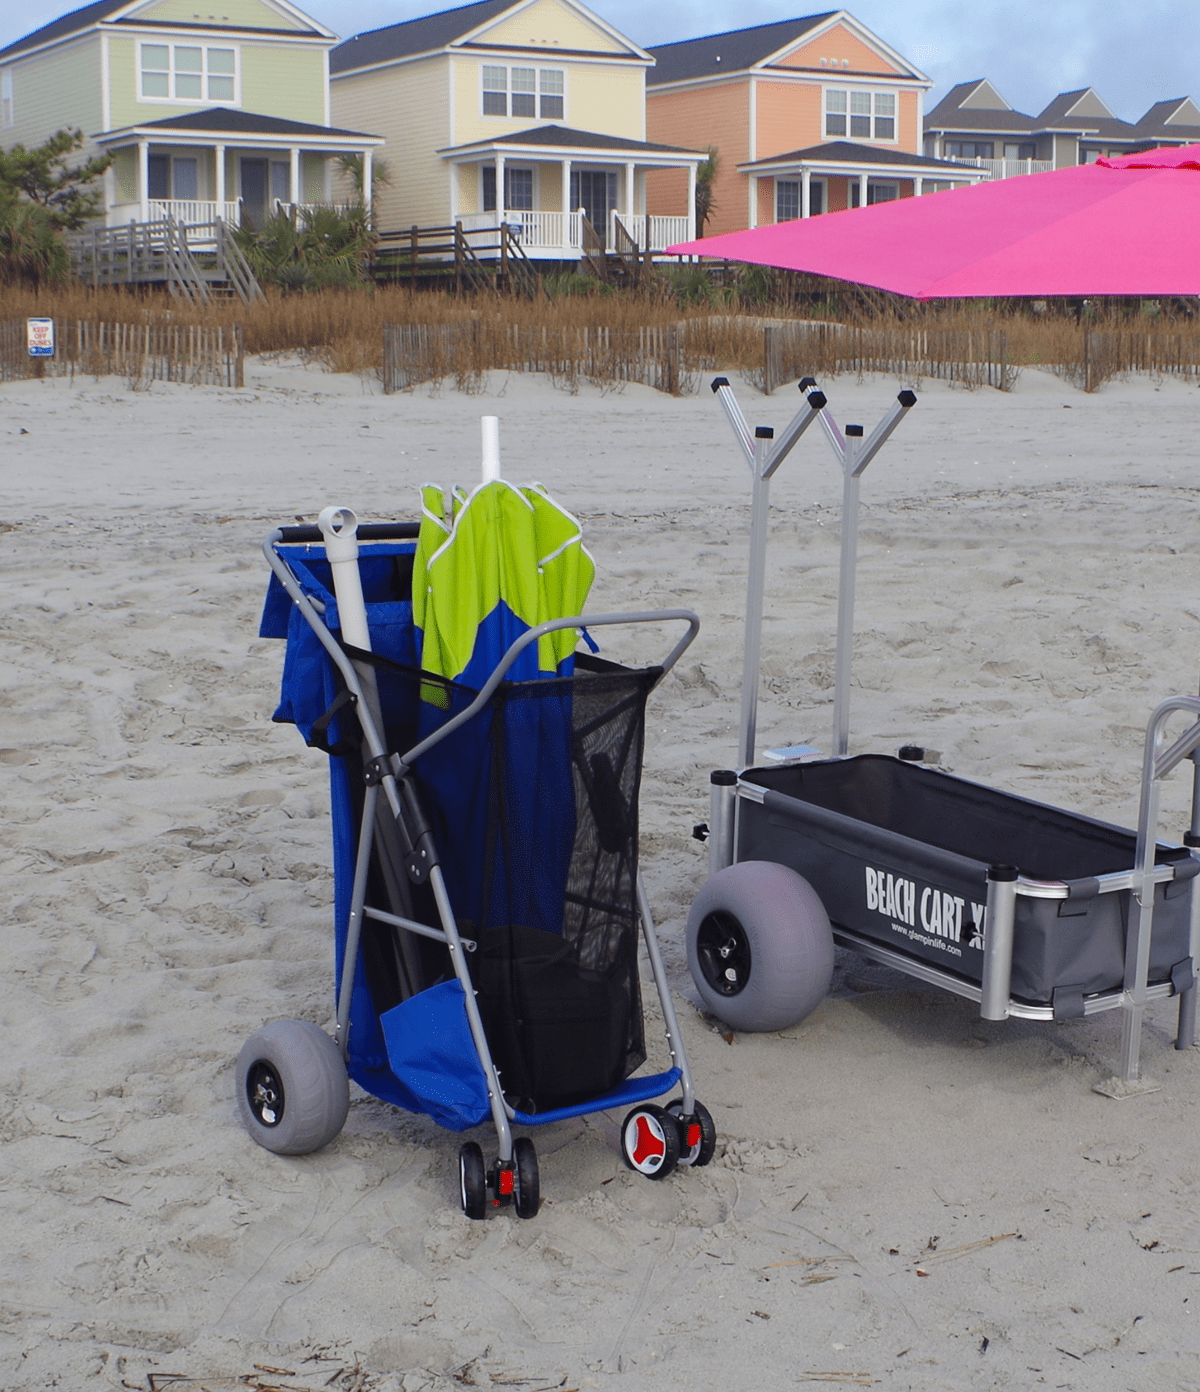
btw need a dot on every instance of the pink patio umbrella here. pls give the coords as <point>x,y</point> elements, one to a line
<point>1128,226</point>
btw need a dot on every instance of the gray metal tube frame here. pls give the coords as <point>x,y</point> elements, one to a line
<point>998,927</point>
<point>1156,764</point>
<point>764,455</point>
<point>375,745</point>
<point>663,986</point>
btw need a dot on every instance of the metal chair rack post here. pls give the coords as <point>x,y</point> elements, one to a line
<point>854,454</point>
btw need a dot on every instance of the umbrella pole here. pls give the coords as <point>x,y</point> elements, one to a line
<point>490,428</point>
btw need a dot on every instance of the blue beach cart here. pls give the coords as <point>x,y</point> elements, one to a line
<point>488,901</point>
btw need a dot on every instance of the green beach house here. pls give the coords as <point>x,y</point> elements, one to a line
<point>207,113</point>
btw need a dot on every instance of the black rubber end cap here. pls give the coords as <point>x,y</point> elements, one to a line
<point>719,382</point>
<point>805,382</point>
<point>1191,839</point>
<point>1005,873</point>
<point>854,432</point>
<point>723,778</point>
<point>911,753</point>
<point>907,399</point>
<point>763,432</point>
<point>818,400</point>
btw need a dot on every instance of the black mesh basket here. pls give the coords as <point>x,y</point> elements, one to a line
<point>534,809</point>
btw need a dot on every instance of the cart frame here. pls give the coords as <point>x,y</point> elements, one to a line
<point>733,789</point>
<point>392,774</point>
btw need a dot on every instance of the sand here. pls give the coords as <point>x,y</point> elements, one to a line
<point>903,1195</point>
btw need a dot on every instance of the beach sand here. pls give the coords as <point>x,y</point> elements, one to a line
<point>903,1195</point>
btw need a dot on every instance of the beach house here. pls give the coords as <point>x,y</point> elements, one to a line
<point>808,116</point>
<point>530,113</point>
<point>973,123</point>
<point>206,113</point>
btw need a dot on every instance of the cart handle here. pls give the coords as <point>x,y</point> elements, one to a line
<point>531,636</point>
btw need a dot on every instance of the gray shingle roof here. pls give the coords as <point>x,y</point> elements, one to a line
<point>733,51</point>
<point>220,120</point>
<point>79,20</point>
<point>848,152</point>
<point>67,24</point>
<point>424,35</point>
<point>567,138</point>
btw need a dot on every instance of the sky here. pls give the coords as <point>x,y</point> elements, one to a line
<point>1132,54</point>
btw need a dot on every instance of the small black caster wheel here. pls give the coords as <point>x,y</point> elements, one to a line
<point>527,1192</point>
<point>650,1141</point>
<point>697,1133</point>
<point>472,1180</point>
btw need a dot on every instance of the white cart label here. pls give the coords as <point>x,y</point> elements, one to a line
<point>925,914</point>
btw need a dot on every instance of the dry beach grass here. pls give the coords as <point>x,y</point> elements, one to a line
<point>903,1197</point>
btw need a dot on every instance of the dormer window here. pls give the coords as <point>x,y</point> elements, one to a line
<point>192,73</point>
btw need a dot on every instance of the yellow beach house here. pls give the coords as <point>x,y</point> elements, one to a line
<point>207,113</point>
<point>531,113</point>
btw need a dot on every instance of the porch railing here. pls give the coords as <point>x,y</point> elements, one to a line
<point>183,210</point>
<point>534,230</point>
<point>651,233</point>
<point>1005,168</point>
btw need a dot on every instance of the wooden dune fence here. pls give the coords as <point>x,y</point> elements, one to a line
<point>197,355</point>
<point>416,353</point>
<point>1114,353</point>
<point>976,358</point>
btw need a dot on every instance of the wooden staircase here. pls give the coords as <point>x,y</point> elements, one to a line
<point>488,260</point>
<point>197,262</point>
<point>626,265</point>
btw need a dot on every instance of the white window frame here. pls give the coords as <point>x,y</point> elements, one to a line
<point>538,94</point>
<point>814,186</point>
<point>873,93</point>
<point>203,100</point>
<point>511,167</point>
<point>853,190</point>
<point>7,113</point>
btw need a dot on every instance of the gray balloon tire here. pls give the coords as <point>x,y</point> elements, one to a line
<point>316,1089</point>
<point>790,940</point>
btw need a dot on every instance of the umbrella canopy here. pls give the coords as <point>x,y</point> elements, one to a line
<point>1128,226</point>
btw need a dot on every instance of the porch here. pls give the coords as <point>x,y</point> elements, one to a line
<point>838,175</point>
<point>559,191</point>
<point>1004,168</point>
<point>230,165</point>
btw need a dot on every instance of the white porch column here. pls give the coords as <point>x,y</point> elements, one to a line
<point>368,180</point>
<point>628,209</point>
<point>144,179</point>
<point>567,210</point>
<point>918,185</point>
<point>219,178</point>
<point>752,201</point>
<point>295,192</point>
<point>455,200</point>
<point>862,190</point>
<point>806,193</point>
<point>691,204</point>
<point>499,188</point>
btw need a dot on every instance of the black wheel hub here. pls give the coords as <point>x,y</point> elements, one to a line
<point>723,951</point>
<point>264,1092</point>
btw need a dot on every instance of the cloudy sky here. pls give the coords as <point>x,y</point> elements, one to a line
<point>1133,54</point>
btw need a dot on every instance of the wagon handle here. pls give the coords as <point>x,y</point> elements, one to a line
<point>531,636</point>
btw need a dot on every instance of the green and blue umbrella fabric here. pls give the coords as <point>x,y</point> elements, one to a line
<point>508,559</point>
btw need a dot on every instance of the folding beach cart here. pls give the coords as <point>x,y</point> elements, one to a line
<point>1029,910</point>
<point>487,892</point>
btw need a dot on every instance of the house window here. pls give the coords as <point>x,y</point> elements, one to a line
<point>788,199</point>
<point>188,73</point>
<point>1025,150</point>
<point>876,193</point>
<point>861,115</point>
<point>551,83</point>
<point>173,177</point>
<point>6,98</point>
<point>526,93</point>
<point>970,149</point>
<point>518,189</point>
